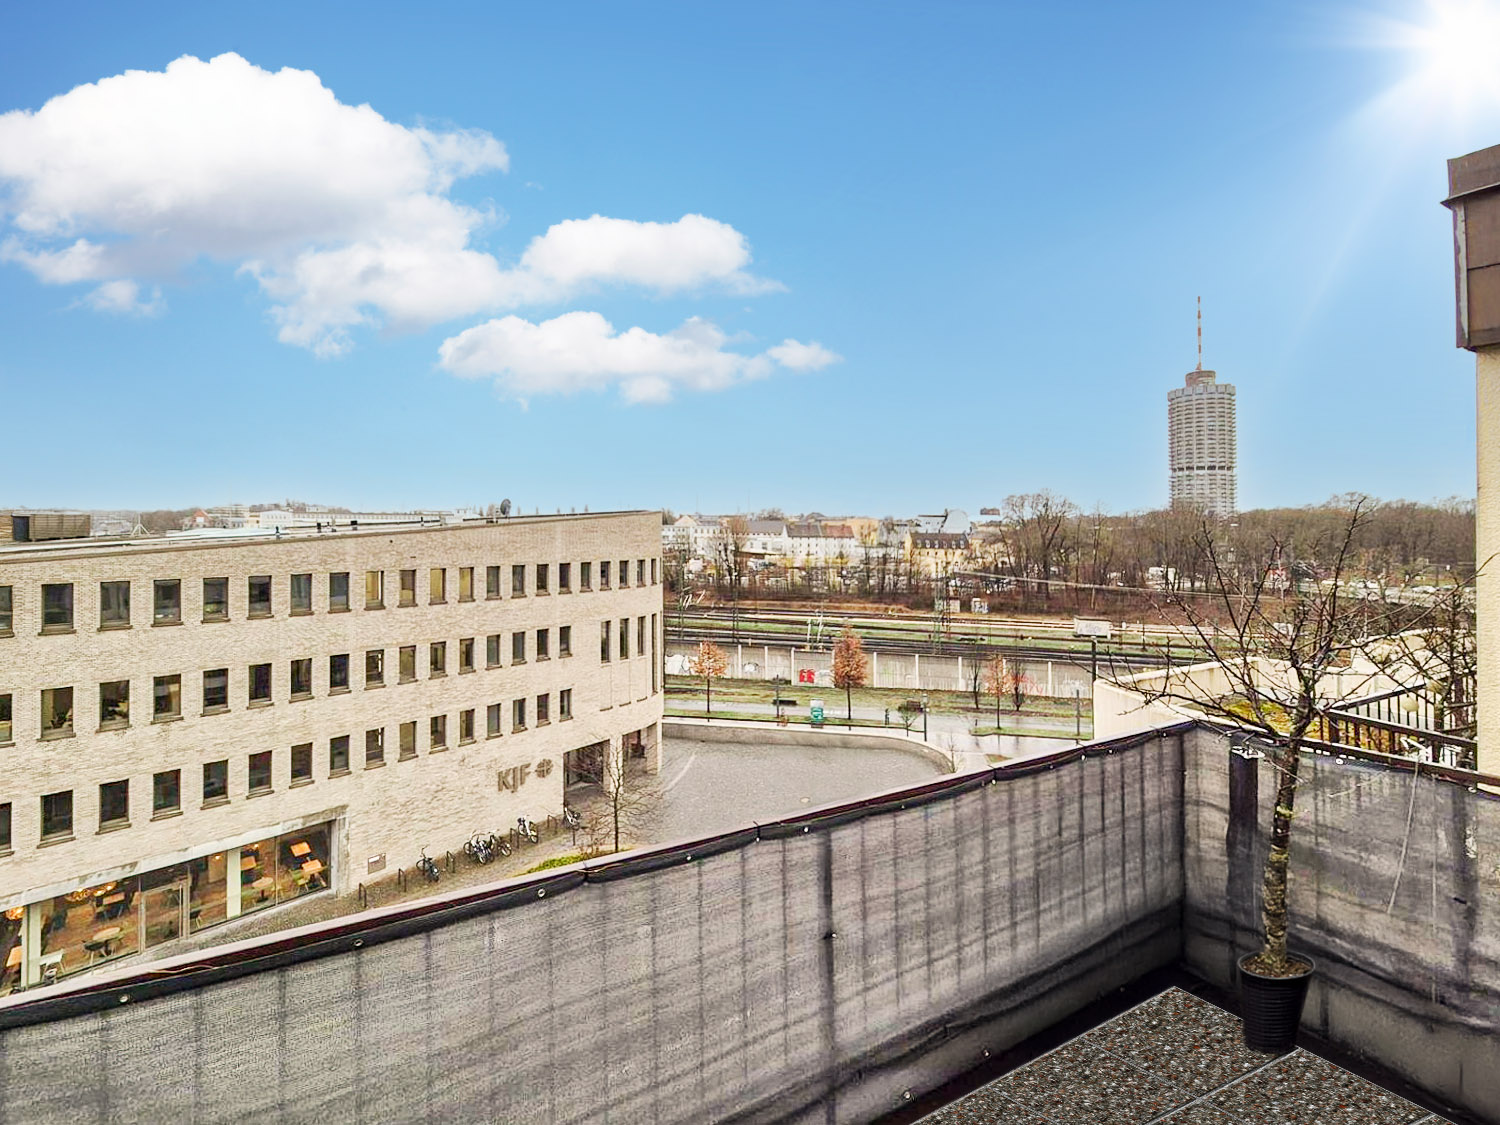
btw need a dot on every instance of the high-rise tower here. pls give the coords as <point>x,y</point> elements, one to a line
<point>1201,445</point>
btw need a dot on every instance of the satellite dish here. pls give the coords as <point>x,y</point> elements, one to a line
<point>505,507</point>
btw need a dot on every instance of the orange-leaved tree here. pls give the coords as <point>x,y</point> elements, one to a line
<point>850,668</point>
<point>996,681</point>
<point>709,661</point>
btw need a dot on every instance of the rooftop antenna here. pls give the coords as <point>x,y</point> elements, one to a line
<point>1200,333</point>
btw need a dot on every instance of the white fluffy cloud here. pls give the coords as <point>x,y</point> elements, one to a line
<point>341,216</point>
<point>582,351</point>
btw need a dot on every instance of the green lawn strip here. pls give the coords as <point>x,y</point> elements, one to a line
<point>1030,732</point>
<point>941,702</point>
<point>829,719</point>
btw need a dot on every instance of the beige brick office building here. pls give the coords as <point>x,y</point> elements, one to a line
<point>197,729</point>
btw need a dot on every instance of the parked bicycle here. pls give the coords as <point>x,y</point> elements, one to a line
<point>500,843</point>
<point>571,818</point>
<point>526,829</point>
<point>428,868</point>
<point>480,848</point>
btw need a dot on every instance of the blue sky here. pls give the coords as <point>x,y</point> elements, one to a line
<point>859,258</point>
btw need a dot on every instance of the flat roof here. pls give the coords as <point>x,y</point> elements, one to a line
<point>237,536</point>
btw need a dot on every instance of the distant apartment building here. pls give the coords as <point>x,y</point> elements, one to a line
<point>1201,451</point>
<point>199,728</point>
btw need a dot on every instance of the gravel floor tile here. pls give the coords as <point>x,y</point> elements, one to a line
<point>984,1106</point>
<point>1303,1089</point>
<point>1079,1085</point>
<point>1199,1114</point>
<point>1180,1039</point>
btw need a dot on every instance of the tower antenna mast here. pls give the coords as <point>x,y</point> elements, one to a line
<point>1200,333</point>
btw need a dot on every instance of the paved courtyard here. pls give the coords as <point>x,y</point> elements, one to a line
<point>1178,1060</point>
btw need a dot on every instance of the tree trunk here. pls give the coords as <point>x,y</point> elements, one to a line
<point>1273,892</point>
<point>708,703</point>
<point>849,706</point>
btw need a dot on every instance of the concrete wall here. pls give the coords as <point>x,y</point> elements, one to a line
<point>912,671</point>
<point>760,734</point>
<point>1487,550</point>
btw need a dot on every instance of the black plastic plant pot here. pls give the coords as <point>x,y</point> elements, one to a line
<point>1272,1007</point>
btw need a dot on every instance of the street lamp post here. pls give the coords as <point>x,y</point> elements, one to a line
<point>924,716</point>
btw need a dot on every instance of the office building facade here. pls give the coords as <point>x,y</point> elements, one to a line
<point>202,728</point>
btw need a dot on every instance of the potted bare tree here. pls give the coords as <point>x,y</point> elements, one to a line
<point>1283,641</point>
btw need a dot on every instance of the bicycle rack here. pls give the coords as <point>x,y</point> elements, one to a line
<point>363,895</point>
<point>401,879</point>
<point>452,862</point>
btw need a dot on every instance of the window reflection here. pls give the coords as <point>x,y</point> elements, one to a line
<point>87,926</point>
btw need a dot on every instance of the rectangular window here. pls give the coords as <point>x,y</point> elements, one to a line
<point>301,593</point>
<point>5,827</point>
<point>408,588</point>
<point>624,638</point>
<point>466,726</point>
<point>543,709</point>
<point>492,650</point>
<point>338,592</point>
<point>166,601</point>
<point>466,654</point>
<point>624,573</point>
<point>166,793</point>
<point>260,773</point>
<point>584,582</point>
<point>604,575</point>
<point>565,640</point>
<point>518,715</point>
<point>338,672</point>
<point>492,581</point>
<point>166,698</point>
<point>215,782</point>
<point>653,572</point>
<point>7,729</point>
<point>438,732</point>
<point>543,644</point>
<point>604,641</point>
<point>302,678</point>
<point>216,690</point>
<point>492,721</point>
<point>374,589</point>
<point>302,763</point>
<point>466,583</point>
<point>408,739</point>
<point>57,815</point>
<point>374,747</point>
<point>7,611</point>
<point>654,660</point>
<point>114,605</point>
<point>338,755</point>
<point>640,572</point>
<point>374,667</point>
<point>215,599</point>
<point>114,704</point>
<point>543,577</point>
<point>564,577</point>
<point>260,684</point>
<point>406,664</point>
<point>114,804</point>
<point>518,648</point>
<point>57,712</point>
<point>437,659</point>
<point>437,586</point>
<point>640,636</point>
<point>518,581</point>
<point>260,595</point>
<point>57,607</point>
<point>565,704</point>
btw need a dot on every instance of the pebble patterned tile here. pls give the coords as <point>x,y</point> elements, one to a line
<point>1181,1039</point>
<point>1078,1084</point>
<point>1303,1089</point>
<point>1199,1113</point>
<point>984,1106</point>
